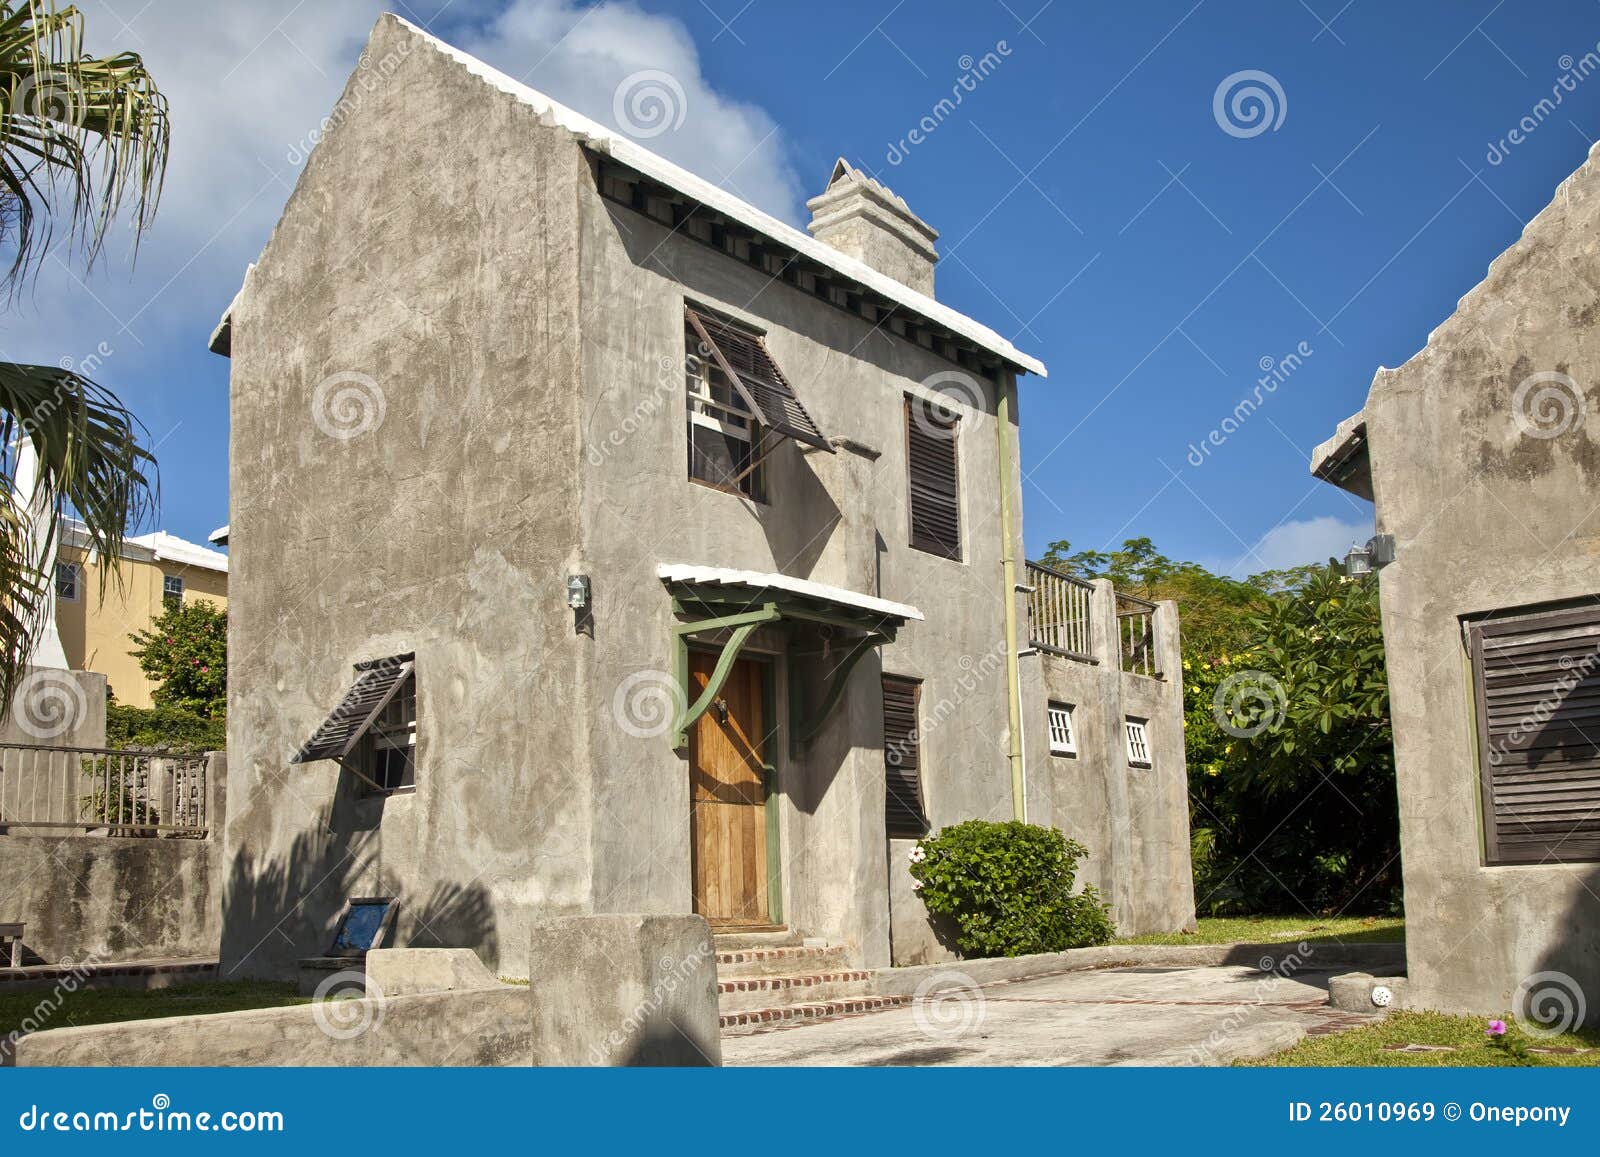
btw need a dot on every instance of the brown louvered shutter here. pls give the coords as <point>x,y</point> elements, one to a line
<point>932,466</point>
<point>743,357</point>
<point>1537,680</point>
<point>902,760</point>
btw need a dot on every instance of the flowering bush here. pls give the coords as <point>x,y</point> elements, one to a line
<point>1008,889</point>
<point>185,652</point>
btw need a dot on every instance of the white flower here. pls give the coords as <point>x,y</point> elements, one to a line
<point>916,885</point>
<point>916,855</point>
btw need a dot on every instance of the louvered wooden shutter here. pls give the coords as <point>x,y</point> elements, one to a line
<point>744,358</point>
<point>1537,680</point>
<point>932,463</point>
<point>902,760</point>
<point>377,683</point>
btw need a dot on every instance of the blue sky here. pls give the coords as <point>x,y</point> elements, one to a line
<point>1093,206</point>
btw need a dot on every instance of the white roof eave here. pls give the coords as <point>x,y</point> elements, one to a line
<point>725,576</point>
<point>636,157</point>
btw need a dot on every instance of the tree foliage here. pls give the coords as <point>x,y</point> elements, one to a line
<point>1286,730</point>
<point>81,137</point>
<point>185,651</point>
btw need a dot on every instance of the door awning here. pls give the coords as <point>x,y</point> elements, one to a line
<point>716,599</point>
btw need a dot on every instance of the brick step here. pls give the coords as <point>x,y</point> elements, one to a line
<point>793,960</point>
<point>765,938</point>
<point>765,992</point>
<point>763,1019</point>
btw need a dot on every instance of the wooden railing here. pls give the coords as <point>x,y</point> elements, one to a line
<point>1058,613</point>
<point>101,791</point>
<point>1136,634</point>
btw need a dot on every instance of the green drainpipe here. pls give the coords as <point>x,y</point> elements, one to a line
<point>1008,569</point>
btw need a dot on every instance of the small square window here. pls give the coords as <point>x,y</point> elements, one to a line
<point>68,577</point>
<point>392,744</point>
<point>1138,743</point>
<point>1063,739</point>
<point>172,588</point>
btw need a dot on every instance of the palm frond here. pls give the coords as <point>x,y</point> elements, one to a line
<point>92,461</point>
<point>96,126</point>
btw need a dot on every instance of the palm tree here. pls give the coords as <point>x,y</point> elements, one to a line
<point>82,137</point>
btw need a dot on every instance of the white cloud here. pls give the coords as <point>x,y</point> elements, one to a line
<point>1297,543</point>
<point>583,56</point>
<point>247,84</point>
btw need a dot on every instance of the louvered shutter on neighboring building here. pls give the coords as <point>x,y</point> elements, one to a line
<point>933,467</point>
<point>1537,680</point>
<point>902,760</point>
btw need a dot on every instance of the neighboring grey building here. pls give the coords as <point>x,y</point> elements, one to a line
<point>602,544</point>
<point>1482,454</point>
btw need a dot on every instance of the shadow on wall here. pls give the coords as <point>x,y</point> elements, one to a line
<point>663,1043</point>
<point>1564,990</point>
<point>277,910</point>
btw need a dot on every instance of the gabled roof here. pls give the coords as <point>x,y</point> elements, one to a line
<point>630,154</point>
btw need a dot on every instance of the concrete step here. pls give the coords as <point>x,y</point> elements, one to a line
<point>768,992</point>
<point>790,960</point>
<point>764,938</point>
<point>761,1019</point>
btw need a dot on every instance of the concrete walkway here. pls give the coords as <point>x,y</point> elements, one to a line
<point>1112,1016</point>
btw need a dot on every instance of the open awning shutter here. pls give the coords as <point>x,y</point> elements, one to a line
<point>902,760</point>
<point>1538,690</point>
<point>933,466</point>
<point>744,358</point>
<point>367,697</point>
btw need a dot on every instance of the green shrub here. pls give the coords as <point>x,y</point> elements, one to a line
<point>1007,888</point>
<point>168,727</point>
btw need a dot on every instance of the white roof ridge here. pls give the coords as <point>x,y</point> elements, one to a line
<point>688,572</point>
<point>635,156</point>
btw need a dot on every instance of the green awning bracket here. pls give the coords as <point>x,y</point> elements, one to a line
<point>801,733</point>
<point>743,626</point>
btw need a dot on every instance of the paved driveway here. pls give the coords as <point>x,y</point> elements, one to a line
<point>1112,1016</point>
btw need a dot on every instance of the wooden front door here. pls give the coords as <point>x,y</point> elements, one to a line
<point>728,795</point>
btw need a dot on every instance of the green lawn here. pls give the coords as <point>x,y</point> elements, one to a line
<point>1285,930</point>
<point>49,1009</point>
<point>1467,1046</point>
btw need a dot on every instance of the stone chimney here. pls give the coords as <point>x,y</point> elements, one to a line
<point>865,220</point>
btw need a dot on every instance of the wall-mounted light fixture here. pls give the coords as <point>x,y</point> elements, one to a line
<point>1377,554</point>
<point>577,591</point>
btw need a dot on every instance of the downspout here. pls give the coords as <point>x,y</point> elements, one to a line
<point>1008,571</point>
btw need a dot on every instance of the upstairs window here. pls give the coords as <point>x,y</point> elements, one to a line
<point>933,468</point>
<point>1138,742</point>
<point>391,743</point>
<point>740,406</point>
<point>172,588</point>
<point>372,733</point>
<point>68,578</point>
<point>1063,739</point>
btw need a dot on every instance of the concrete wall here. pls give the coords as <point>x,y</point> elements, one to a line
<point>1133,820</point>
<point>91,898</point>
<point>55,708</point>
<point>835,518</point>
<point>1488,516</point>
<point>424,501</point>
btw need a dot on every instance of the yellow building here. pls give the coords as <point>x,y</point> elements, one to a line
<point>155,567</point>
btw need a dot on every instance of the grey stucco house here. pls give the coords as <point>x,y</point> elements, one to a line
<point>1482,455</point>
<point>603,544</point>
